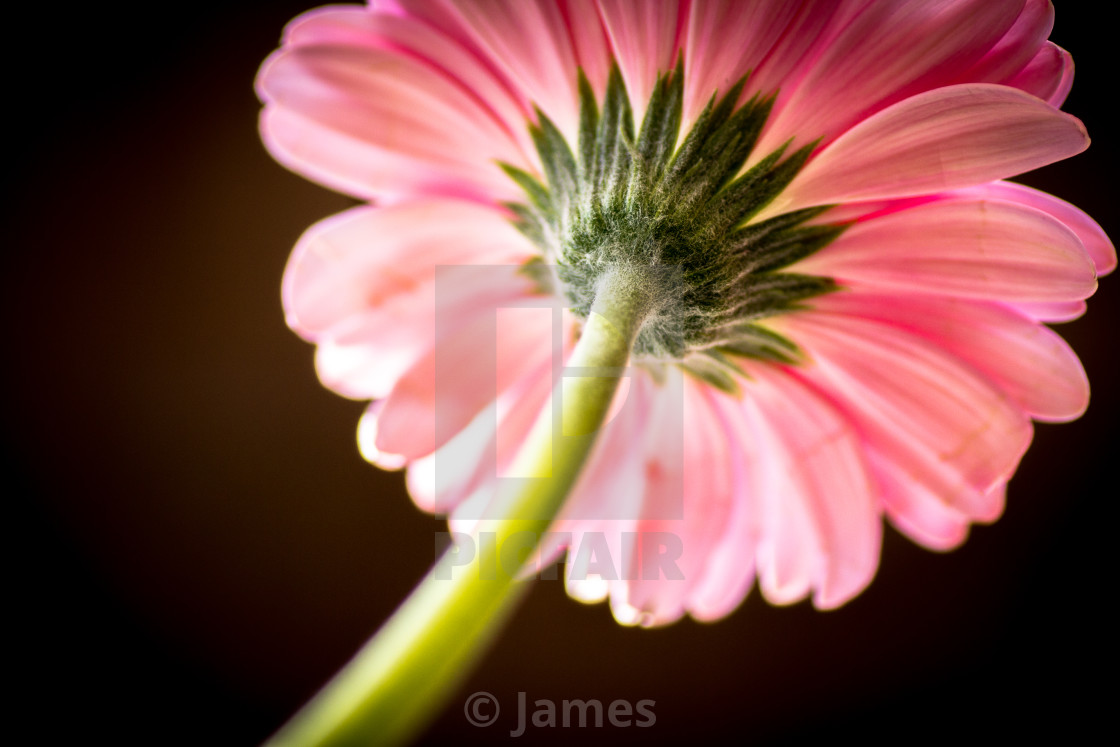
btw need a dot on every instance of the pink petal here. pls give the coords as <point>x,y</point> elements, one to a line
<point>603,511</point>
<point>462,463</point>
<point>949,138</point>
<point>364,359</point>
<point>590,41</point>
<point>367,441</point>
<point>1017,47</point>
<point>364,116</point>
<point>1092,236</point>
<point>644,37</point>
<point>351,166</point>
<point>921,514</point>
<point>365,355</point>
<point>1049,75</point>
<point>362,285</point>
<point>944,425</point>
<point>730,569</point>
<point>404,34</point>
<point>1054,311</point>
<point>530,44</point>
<point>472,461</point>
<point>687,470</point>
<point>726,40</point>
<point>807,34</point>
<point>980,249</point>
<point>365,257</point>
<point>446,388</point>
<point>1028,361</point>
<point>823,528</point>
<point>888,52</point>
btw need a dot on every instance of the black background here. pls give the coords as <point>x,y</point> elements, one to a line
<point>195,544</point>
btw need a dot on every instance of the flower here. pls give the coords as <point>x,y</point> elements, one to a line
<point>855,326</point>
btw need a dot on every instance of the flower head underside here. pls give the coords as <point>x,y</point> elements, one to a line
<point>648,197</point>
<point>814,195</point>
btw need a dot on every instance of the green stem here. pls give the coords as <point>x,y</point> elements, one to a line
<point>403,676</point>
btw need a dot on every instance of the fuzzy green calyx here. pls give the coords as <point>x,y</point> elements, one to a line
<point>676,216</point>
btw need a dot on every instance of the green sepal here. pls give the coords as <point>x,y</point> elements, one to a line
<point>711,369</point>
<point>528,222</point>
<point>791,245</point>
<point>612,158</point>
<point>769,293</point>
<point>755,189</point>
<point>538,194</point>
<point>644,201</point>
<point>559,164</point>
<point>661,125</point>
<point>588,128</point>
<point>748,340</point>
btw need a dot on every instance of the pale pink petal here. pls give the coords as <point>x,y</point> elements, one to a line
<point>471,462</point>
<point>888,52</point>
<point>461,466</point>
<point>661,445</point>
<point>464,371</point>
<point>645,38</point>
<point>600,519</point>
<point>1092,236</point>
<point>367,441</point>
<point>354,363</point>
<point>688,475</point>
<point>852,212</point>
<point>1034,366</point>
<point>787,551</point>
<point>953,137</point>
<point>827,528</point>
<point>351,166</point>
<point>1055,311</point>
<point>943,423</point>
<point>980,249</point>
<point>362,285</point>
<point>1049,75</point>
<point>366,257</point>
<point>364,116</point>
<point>730,570</point>
<point>364,355</point>
<point>997,501</point>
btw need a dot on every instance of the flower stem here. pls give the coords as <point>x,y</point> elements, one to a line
<point>403,676</point>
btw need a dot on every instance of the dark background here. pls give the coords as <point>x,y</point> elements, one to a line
<point>195,544</point>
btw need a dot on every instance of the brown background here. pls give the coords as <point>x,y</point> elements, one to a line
<point>195,543</point>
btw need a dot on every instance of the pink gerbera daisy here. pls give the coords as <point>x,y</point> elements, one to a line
<point>848,303</point>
